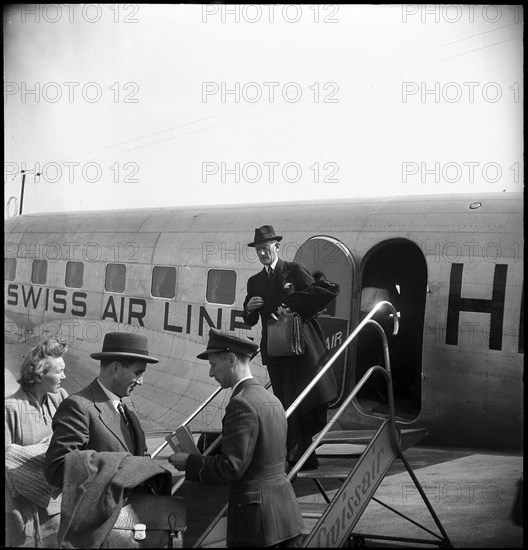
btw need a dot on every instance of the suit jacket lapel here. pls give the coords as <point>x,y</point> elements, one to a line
<point>107,413</point>
<point>277,286</point>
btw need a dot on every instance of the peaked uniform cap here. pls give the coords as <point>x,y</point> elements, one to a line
<point>223,340</point>
<point>263,234</point>
<point>124,345</point>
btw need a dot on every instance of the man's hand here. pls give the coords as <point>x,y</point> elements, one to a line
<point>178,460</point>
<point>254,303</point>
<point>283,310</point>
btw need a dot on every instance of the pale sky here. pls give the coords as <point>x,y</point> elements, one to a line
<point>135,105</point>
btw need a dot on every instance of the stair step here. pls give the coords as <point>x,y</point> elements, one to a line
<point>339,450</point>
<point>329,468</point>
<point>312,510</point>
<point>349,436</point>
<point>409,437</point>
<point>328,454</point>
<point>338,455</point>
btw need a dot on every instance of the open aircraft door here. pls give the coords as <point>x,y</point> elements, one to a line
<point>327,258</point>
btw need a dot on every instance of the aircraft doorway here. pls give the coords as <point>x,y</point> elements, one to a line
<point>327,258</point>
<point>395,271</point>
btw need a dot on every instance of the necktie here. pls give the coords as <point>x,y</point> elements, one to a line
<point>270,274</point>
<point>122,412</point>
<point>132,443</point>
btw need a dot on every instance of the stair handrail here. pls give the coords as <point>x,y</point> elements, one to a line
<point>188,419</point>
<point>394,432</point>
<point>385,372</point>
<point>341,349</point>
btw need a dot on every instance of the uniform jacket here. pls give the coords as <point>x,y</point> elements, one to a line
<point>296,371</point>
<point>262,509</point>
<point>87,420</point>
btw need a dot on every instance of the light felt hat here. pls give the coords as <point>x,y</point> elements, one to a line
<point>124,345</point>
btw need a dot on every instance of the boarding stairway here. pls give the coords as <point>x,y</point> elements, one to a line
<point>360,471</point>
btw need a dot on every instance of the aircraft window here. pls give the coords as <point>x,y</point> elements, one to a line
<point>115,278</point>
<point>164,282</point>
<point>9,269</point>
<point>221,286</point>
<point>39,272</point>
<point>74,274</point>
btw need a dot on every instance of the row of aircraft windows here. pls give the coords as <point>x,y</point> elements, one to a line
<point>220,288</point>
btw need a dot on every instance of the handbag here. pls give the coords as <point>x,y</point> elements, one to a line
<point>285,336</point>
<point>149,521</point>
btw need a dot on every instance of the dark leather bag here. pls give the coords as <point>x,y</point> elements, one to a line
<point>285,336</point>
<point>149,521</point>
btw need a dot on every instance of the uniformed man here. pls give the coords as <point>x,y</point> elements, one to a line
<point>263,509</point>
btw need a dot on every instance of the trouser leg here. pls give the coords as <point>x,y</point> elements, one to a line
<point>302,426</point>
<point>277,376</point>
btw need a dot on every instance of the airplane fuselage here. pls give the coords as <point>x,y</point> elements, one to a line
<point>453,266</point>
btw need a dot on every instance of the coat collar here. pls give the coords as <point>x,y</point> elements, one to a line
<point>244,384</point>
<point>22,395</point>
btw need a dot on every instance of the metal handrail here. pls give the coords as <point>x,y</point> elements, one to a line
<point>385,372</point>
<point>341,349</point>
<point>188,419</point>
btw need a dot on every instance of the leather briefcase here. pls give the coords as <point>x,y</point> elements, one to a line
<point>149,521</point>
<point>285,336</point>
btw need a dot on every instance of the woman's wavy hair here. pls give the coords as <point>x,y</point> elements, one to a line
<point>37,361</point>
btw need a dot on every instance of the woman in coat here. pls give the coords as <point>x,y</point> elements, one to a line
<point>32,505</point>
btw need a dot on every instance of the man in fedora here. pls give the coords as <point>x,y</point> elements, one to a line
<point>97,454</point>
<point>267,292</point>
<point>263,509</point>
<point>95,418</point>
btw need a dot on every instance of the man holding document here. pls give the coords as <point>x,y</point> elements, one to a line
<point>263,509</point>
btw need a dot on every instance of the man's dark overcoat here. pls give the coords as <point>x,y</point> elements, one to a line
<point>288,375</point>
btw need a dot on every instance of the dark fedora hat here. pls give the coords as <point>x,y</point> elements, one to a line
<point>223,340</point>
<point>263,234</point>
<point>122,344</point>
